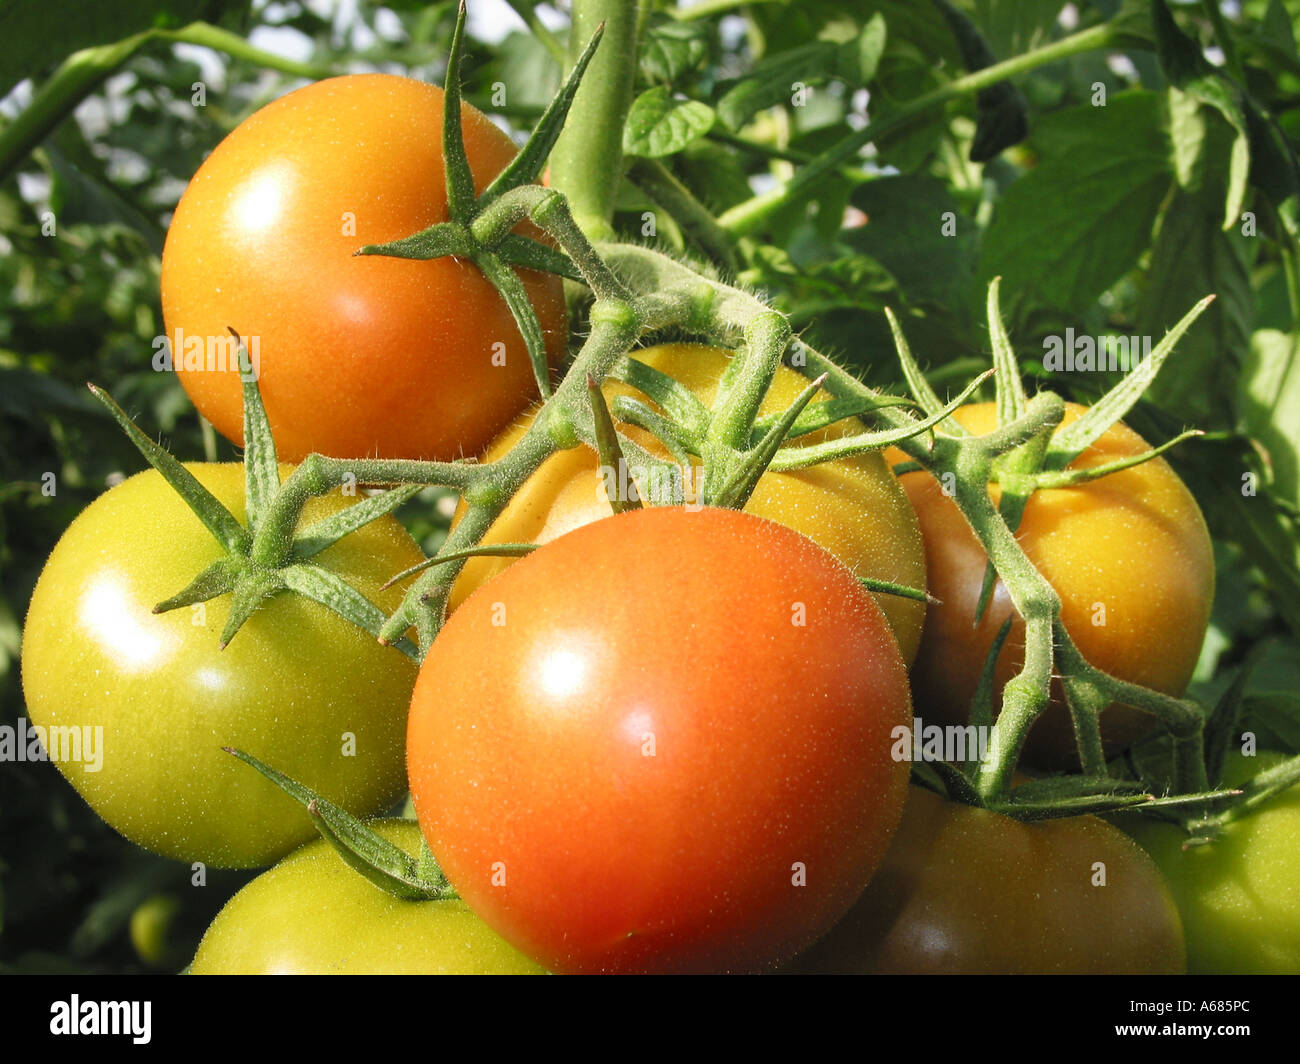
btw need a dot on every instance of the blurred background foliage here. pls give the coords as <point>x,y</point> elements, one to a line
<point>1108,220</point>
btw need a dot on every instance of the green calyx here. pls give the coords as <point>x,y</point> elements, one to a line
<point>480,227</point>
<point>270,555</point>
<point>387,866</point>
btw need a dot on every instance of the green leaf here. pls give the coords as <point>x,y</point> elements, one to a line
<point>1069,228</point>
<point>1187,69</point>
<point>1269,400</point>
<point>1275,169</point>
<point>771,81</point>
<point>1001,110</point>
<point>659,125</point>
<point>1276,26</point>
<point>673,49</point>
<point>1014,26</point>
<point>1187,137</point>
<point>917,231</point>
<point>1193,257</point>
<point>860,59</point>
<point>37,33</point>
<point>1271,707</point>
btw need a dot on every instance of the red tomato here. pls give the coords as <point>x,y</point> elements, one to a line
<point>662,743</point>
<point>357,355</point>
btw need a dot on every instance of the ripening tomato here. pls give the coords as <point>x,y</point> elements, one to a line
<point>150,699</point>
<point>967,891</point>
<point>357,356</point>
<point>313,915</point>
<point>1239,894</point>
<point>852,506</point>
<point>1130,556</point>
<point>661,743</point>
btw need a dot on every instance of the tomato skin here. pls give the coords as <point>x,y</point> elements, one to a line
<point>1130,550</point>
<point>1240,894</point>
<point>622,776</point>
<point>292,682</point>
<point>313,915</point>
<point>360,356</point>
<point>852,507</point>
<point>967,891</point>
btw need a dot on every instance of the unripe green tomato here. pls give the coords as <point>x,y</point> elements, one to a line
<point>313,915</point>
<point>141,703</point>
<point>1240,894</point>
<point>151,930</point>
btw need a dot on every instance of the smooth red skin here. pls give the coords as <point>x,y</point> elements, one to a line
<point>1134,541</point>
<point>772,745</point>
<point>964,891</point>
<point>359,355</point>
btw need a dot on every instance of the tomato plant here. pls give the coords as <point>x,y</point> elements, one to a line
<point>313,915</point>
<point>1129,555</point>
<point>1239,894</point>
<point>966,890</point>
<point>851,506</point>
<point>695,778</point>
<point>156,698</point>
<point>357,355</point>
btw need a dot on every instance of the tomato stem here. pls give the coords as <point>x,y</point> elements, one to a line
<point>587,163</point>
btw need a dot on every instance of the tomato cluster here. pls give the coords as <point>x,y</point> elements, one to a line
<point>664,740</point>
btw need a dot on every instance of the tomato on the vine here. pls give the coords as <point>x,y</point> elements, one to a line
<point>852,506</point>
<point>1239,894</point>
<point>662,743</point>
<point>155,698</point>
<point>1128,553</point>
<point>313,915</point>
<point>358,356</point>
<point>968,891</point>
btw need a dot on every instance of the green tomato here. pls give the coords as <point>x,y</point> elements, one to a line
<point>150,699</point>
<point>151,928</point>
<point>313,915</point>
<point>1240,894</point>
